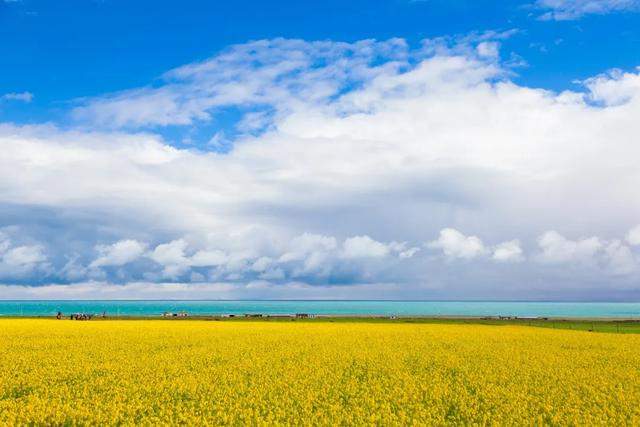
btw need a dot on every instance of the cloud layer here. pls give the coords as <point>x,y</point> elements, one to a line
<point>401,171</point>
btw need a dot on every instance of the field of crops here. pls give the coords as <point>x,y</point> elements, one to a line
<point>198,372</point>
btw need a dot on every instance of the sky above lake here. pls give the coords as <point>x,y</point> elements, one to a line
<point>400,149</point>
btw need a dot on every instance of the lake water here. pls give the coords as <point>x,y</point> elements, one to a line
<point>387,308</point>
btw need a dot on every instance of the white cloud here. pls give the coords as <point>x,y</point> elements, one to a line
<point>262,264</point>
<point>172,257</point>
<point>208,258</point>
<point>24,255</point>
<point>398,148</point>
<point>454,244</point>
<point>276,72</point>
<point>170,253</point>
<point>508,252</point>
<point>488,49</point>
<point>310,256</point>
<point>614,88</point>
<point>119,253</point>
<point>563,10</point>
<point>557,249</point>
<point>363,247</point>
<point>619,258</point>
<point>17,96</point>
<point>313,257</point>
<point>610,256</point>
<point>18,261</point>
<point>633,236</point>
<point>308,244</point>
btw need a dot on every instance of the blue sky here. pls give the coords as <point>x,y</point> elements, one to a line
<point>387,149</point>
<point>71,49</point>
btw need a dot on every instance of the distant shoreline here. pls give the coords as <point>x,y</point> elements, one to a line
<point>325,308</point>
<point>329,317</point>
<point>524,301</point>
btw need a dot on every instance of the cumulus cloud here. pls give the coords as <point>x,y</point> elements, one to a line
<point>308,256</point>
<point>119,253</point>
<point>508,251</point>
<point>613,256</point>
<point>172,257</point>
<point>454,244</point>
<point>21,256</point>
<point>18,261</point>
<point>558,249</point>
<point>633,236</point>
<point>619,258</point>
<point>170,253</point>
<point>308,244</point>
<point>208,258</point>
<point>564,10</point>
<point>613,88</point>
<point>364,247</point>
<point>377,142</point>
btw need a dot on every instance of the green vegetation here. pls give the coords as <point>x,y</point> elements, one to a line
<point>622,326</point>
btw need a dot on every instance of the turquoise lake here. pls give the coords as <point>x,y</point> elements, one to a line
<point>386,308</point>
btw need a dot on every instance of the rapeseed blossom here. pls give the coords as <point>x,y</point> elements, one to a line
<point>315,373</point>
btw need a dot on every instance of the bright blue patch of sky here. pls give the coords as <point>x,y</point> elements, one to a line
<point>67,49</point>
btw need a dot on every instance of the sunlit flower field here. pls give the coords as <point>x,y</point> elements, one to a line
<point>212,373</point>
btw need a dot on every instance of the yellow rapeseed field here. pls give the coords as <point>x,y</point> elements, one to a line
<point>264,373</point>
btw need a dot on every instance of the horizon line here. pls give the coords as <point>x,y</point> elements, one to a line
<point>328,300</point>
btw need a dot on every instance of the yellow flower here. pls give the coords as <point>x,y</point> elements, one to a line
<point>266,373</point>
